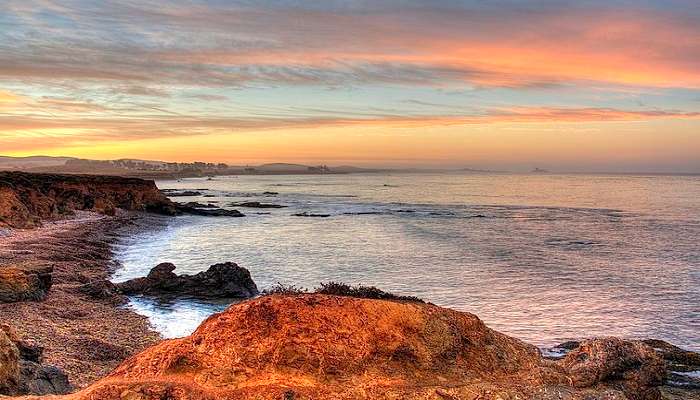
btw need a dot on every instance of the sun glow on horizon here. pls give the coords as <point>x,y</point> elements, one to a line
<point>603,85</point>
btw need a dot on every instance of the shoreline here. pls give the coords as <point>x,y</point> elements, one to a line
<point>85,337</point>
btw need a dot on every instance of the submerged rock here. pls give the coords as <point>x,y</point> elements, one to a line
<point>225,280</point>
<point>208,212</point>
<point>257,204</point>
<point>195,204</point>
<point>184,193</point>
<point>312,215</point>
<point>24,282</point>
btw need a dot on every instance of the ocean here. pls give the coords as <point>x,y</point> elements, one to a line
<point>542,257</point>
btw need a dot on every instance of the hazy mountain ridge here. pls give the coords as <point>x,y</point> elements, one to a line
<point>161,169</point>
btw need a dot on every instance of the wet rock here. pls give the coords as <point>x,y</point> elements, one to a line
<point>678,359</point>
<point>194,204</point>
<point>270,193</point>
<point>312,215</point>
<point>23,283</point>
<point>225,280</point>
<point>209,212</point>
<point>184,193</point>
<point>257,204</point>
<point>630,366</point>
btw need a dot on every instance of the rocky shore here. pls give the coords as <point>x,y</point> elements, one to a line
<point>63,327</point>
<point>80,335</point>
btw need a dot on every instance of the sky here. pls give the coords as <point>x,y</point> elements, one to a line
<point>565,85</point>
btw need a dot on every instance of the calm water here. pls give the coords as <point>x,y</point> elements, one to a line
<point>545,258</point>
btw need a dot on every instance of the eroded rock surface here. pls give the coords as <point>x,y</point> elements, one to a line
<point>312,346</point>
<point>27,198</point>
<point>22,371</point>
<point>24,282</point>
<point>225,280</point>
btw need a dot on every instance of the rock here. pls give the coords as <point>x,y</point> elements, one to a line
<point>43,379</point>
<point>677,358</point>
<point>225,280</point>
<point>631,366</point>
<point>314,346</point>
<point>208,212</point>
<point>307,214</point>
<point>257,204</point>
<point>270,193</point>
<point>26,198</point>
<point>9,365</point>
<point>194,204</point>
<point>23,283</point>
<point>185,193</point>
<point>21,371</point>
<point>100,289</point>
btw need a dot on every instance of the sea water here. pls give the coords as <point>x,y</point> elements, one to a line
<point>543,257</point>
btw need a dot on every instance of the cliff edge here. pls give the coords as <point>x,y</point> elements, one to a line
<point>27,198</point>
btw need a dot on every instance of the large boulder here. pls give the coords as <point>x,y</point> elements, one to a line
<point>316,346</point>
<point>24,282</point>
<point>313,346</point>
<point>224,280</point>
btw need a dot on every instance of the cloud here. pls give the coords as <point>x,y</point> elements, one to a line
<point>21,133</point>
<point>238,45</point>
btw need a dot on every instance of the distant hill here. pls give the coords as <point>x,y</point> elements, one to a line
<point>24,163</point>
<point>160,169</point>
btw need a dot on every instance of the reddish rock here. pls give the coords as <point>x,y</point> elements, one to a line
<point>631,366</point>
<point>24,282</point>
<point>26,198</point>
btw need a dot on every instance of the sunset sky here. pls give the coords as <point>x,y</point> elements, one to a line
<point>579,85</point>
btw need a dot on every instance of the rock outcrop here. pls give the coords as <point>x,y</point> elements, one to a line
<point>257,204</point>
<point>312,346</point>
<point>26,199</point>
<point>21,369</point>
<point>24,282</point>
<point>630,366</point>
<point>225,280</point>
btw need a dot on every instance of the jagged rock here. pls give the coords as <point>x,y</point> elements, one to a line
<point>209,212</point>
<point>225,280</point>
<point>632,366</point>
<point>677,358</point>
<point>257,204</point>
<point>195,204</point>
<point>9,365</point>
<point>100,289</point>
<point>24,282</point>
<point>185,193</point>
<point>21,371</point>
<point>27,198</point>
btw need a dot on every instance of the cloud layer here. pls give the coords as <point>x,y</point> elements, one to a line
<point>130,70</point>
